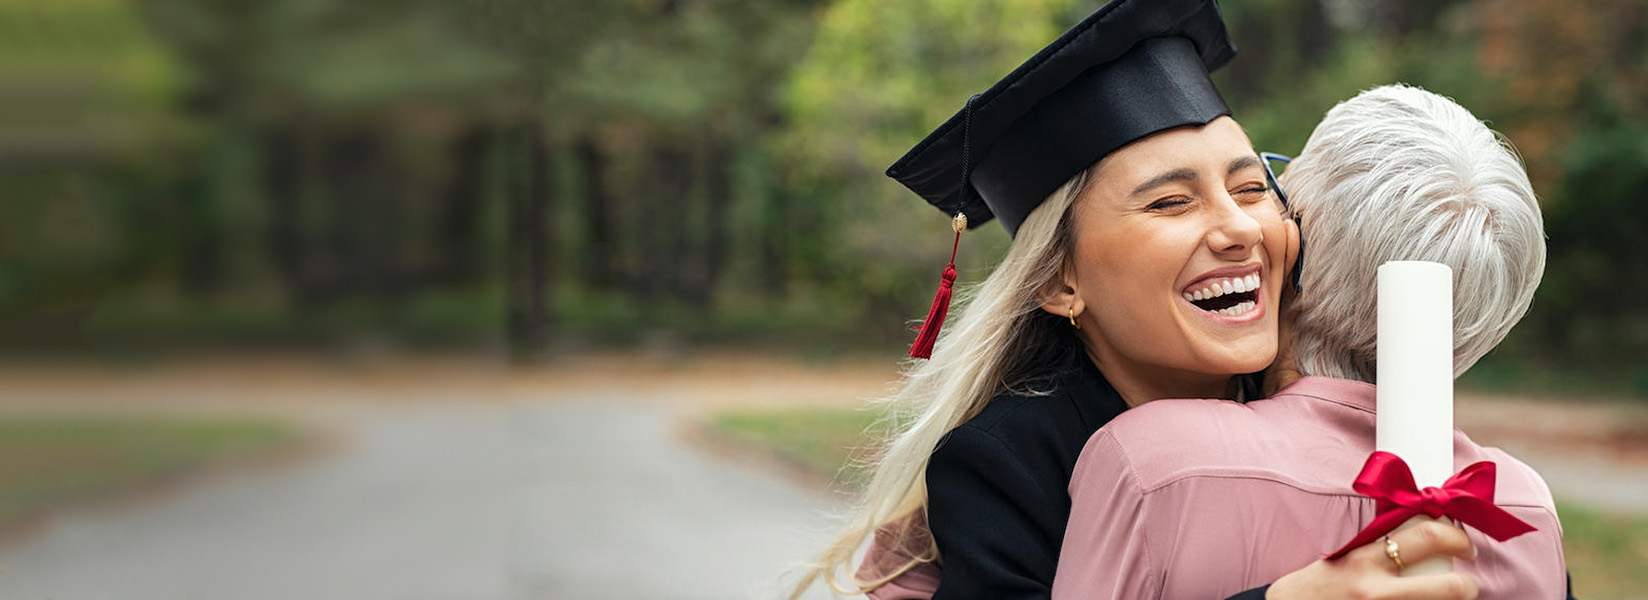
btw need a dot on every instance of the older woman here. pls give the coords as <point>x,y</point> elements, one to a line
<point>1147,260</point>
<point>1198,499</point>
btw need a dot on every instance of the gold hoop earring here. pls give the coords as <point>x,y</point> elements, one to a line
<point>1073,321</point>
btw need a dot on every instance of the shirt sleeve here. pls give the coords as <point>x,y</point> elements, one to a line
<point>889,551</point>
<point>996,527</point>
<point>915,584</point>
<point>1106,551</point>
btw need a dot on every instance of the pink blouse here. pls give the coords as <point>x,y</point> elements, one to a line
<point>1207,498</point>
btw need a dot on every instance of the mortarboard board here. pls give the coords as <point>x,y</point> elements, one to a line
<point>1131,69</point>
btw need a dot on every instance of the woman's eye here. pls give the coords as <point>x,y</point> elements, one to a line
<point>1169,203</point>
<point>1254,193</point>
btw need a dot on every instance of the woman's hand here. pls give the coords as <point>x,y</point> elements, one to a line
<point>1367,573</point>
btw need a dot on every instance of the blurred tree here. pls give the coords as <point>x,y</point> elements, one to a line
<point>1576,105</point>
<point>85,84</point>
<point>878,77</point>
<point>341,112</point>
<point>670,104</point>
<point>544,40</point>
<point>424,170</point>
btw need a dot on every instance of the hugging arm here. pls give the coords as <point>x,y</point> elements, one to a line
<point>1108,551</point>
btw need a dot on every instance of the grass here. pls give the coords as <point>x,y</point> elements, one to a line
<point>822,440</point>
<point>1607,554</point>
<point>48,461</point>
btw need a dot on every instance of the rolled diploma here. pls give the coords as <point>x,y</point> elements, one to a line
<point>1415,378</point>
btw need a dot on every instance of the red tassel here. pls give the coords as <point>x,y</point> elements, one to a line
<point>928,335</point>
<point>923,348</point>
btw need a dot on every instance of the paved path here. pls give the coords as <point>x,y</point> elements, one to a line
<point>572,500</point>
<point>1610,487</point>
<point>1593,454</point>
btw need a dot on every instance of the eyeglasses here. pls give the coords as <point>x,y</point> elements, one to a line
<point>1270,178</point>
<point>1270,175</point>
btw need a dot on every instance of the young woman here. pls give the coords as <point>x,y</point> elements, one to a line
<point>1129,191</point>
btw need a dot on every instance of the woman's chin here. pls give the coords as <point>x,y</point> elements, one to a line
<point>1224,349</point>
<point>1240,358</point>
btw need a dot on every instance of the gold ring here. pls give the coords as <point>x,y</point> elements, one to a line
<point>1393,552</point>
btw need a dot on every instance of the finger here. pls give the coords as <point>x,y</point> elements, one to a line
<point>1446,586</point>
<point>1430,538</point>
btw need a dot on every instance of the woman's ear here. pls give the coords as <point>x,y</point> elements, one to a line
<point>1060,297</point>
<point>1291,253</point>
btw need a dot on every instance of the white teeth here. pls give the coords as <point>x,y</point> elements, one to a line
<point>1238,285</point>
<point>1229,286</point>
<point>1239,309</point>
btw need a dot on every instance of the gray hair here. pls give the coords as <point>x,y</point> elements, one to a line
<point>1399,173</point>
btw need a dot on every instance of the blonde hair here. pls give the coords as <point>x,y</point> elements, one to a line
<point>1000,339</point>
<point>1399,173</point>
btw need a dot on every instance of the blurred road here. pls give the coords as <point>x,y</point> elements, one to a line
<point>1591,453</point>
<point>567,500</point>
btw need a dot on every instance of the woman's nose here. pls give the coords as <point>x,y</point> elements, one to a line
<point>1234,231</point>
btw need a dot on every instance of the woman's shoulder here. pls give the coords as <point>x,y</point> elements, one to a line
<point>1517,483</point>
<point>1051,418</point>
<point>1183,415</point>
<point>1172,439</point>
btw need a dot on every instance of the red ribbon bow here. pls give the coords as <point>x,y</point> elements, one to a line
<point>1467,496</point>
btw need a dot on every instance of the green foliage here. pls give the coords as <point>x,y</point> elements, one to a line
<point>1596,276</point>
<point>174,168</point>
<point>47,461</point>
<point>881,75</point>
<point>388,63</point>
<point>878,77</point>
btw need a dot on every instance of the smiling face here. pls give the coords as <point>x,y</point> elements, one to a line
<point>1177,263</point>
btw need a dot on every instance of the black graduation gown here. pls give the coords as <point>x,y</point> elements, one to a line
<point>997,487</point>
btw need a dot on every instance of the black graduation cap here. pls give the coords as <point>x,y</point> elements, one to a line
<point>1132,68</point>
